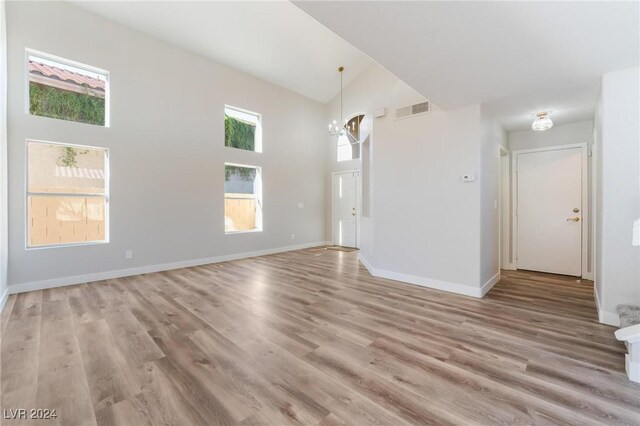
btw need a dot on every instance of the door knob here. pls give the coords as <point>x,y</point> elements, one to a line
<point>353,211</point>
<point>576,210</point>
<point>573,219</point>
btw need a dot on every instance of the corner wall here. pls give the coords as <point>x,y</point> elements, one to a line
<point>617,132</point>
<point>424,226</point>
<point>492,137</point>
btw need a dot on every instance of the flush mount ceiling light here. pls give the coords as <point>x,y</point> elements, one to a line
<point>334,128</point>
<point>542,122</point>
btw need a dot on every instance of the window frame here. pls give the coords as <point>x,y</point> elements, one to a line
<point>257,143</point>
<point>106,196</point>
<point>64,61</point>
<point>257,197</point>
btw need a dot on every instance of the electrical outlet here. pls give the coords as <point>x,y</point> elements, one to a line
<point>128,254</point>
<point>293,236</point>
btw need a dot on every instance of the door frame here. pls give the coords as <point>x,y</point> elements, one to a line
<point>502,203</point>
<point>584,208</point>
<point>333,206</point>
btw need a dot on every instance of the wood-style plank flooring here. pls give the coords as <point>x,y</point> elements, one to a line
<point>309,337</point>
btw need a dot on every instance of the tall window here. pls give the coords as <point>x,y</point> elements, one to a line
<point>67,90</point>
<point>349,143</point>
<point>67,194</point>
<point>242,129</point>
<point>242,198</point>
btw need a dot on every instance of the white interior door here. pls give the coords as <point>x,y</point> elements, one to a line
<point>549,211</point>
<point>345,224</point>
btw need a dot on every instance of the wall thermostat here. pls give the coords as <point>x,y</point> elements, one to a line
<point>469,178</point>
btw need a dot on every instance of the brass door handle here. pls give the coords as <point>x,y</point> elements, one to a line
<point>573,219</point>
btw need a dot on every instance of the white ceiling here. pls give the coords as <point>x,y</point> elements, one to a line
<point>576,103</point>
<point>520,56</point>
<point>274,41</point>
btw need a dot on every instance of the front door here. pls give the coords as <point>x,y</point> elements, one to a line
<point>549,211</point>
<point>345,224</point>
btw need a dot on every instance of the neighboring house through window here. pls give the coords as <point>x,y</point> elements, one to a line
<point>67,90</point>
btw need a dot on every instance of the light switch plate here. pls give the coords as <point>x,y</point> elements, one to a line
<point>468,178</point>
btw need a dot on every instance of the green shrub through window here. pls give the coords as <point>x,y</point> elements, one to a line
<point>65,92</point>
<point>242,130</point>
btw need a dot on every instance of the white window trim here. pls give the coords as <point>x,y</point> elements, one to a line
<point>257,196</point>
<point>51,194</point>
<point>95,70</point>
<point>258,135</point>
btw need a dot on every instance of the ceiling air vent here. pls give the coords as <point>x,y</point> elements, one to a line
<point>413,110</point>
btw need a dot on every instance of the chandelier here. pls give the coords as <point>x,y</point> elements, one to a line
<point>336,129</point>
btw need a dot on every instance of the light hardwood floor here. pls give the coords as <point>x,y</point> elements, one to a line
<point>309,337</point>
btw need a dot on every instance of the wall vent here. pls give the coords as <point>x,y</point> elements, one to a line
<point>413,110</point>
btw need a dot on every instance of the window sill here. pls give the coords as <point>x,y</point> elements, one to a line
<point>253,231</point>
<point>54,246</point>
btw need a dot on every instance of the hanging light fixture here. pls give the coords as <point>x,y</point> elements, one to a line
<point>336,129</point>
<point>542,122</point>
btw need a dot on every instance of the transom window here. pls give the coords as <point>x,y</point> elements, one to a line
<point>349,143</point>
<point>67,90</point>
<point>242,129</point>
<point>67,194</point>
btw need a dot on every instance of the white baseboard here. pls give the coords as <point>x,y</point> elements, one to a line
<point>365,263</point>
<point>99,276</point>
<point>3,299</point>
<point>489,284</point>
<point>605,317</point>
<point>609,318</point>
<point>422,281</point>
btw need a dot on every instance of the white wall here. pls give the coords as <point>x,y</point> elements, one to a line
<point>3,156</point>
<point>167,151</point>
<point>427,221</point>
<point>492,137</point>
<point>617,140</point>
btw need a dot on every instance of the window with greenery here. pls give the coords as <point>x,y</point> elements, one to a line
<point>242,198</point>
<point>58,89</point>
<point>67,194</point>
<point>242,129</point>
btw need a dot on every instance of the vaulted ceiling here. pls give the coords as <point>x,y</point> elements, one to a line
<point>517,57</point>
<point>272,40</point>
